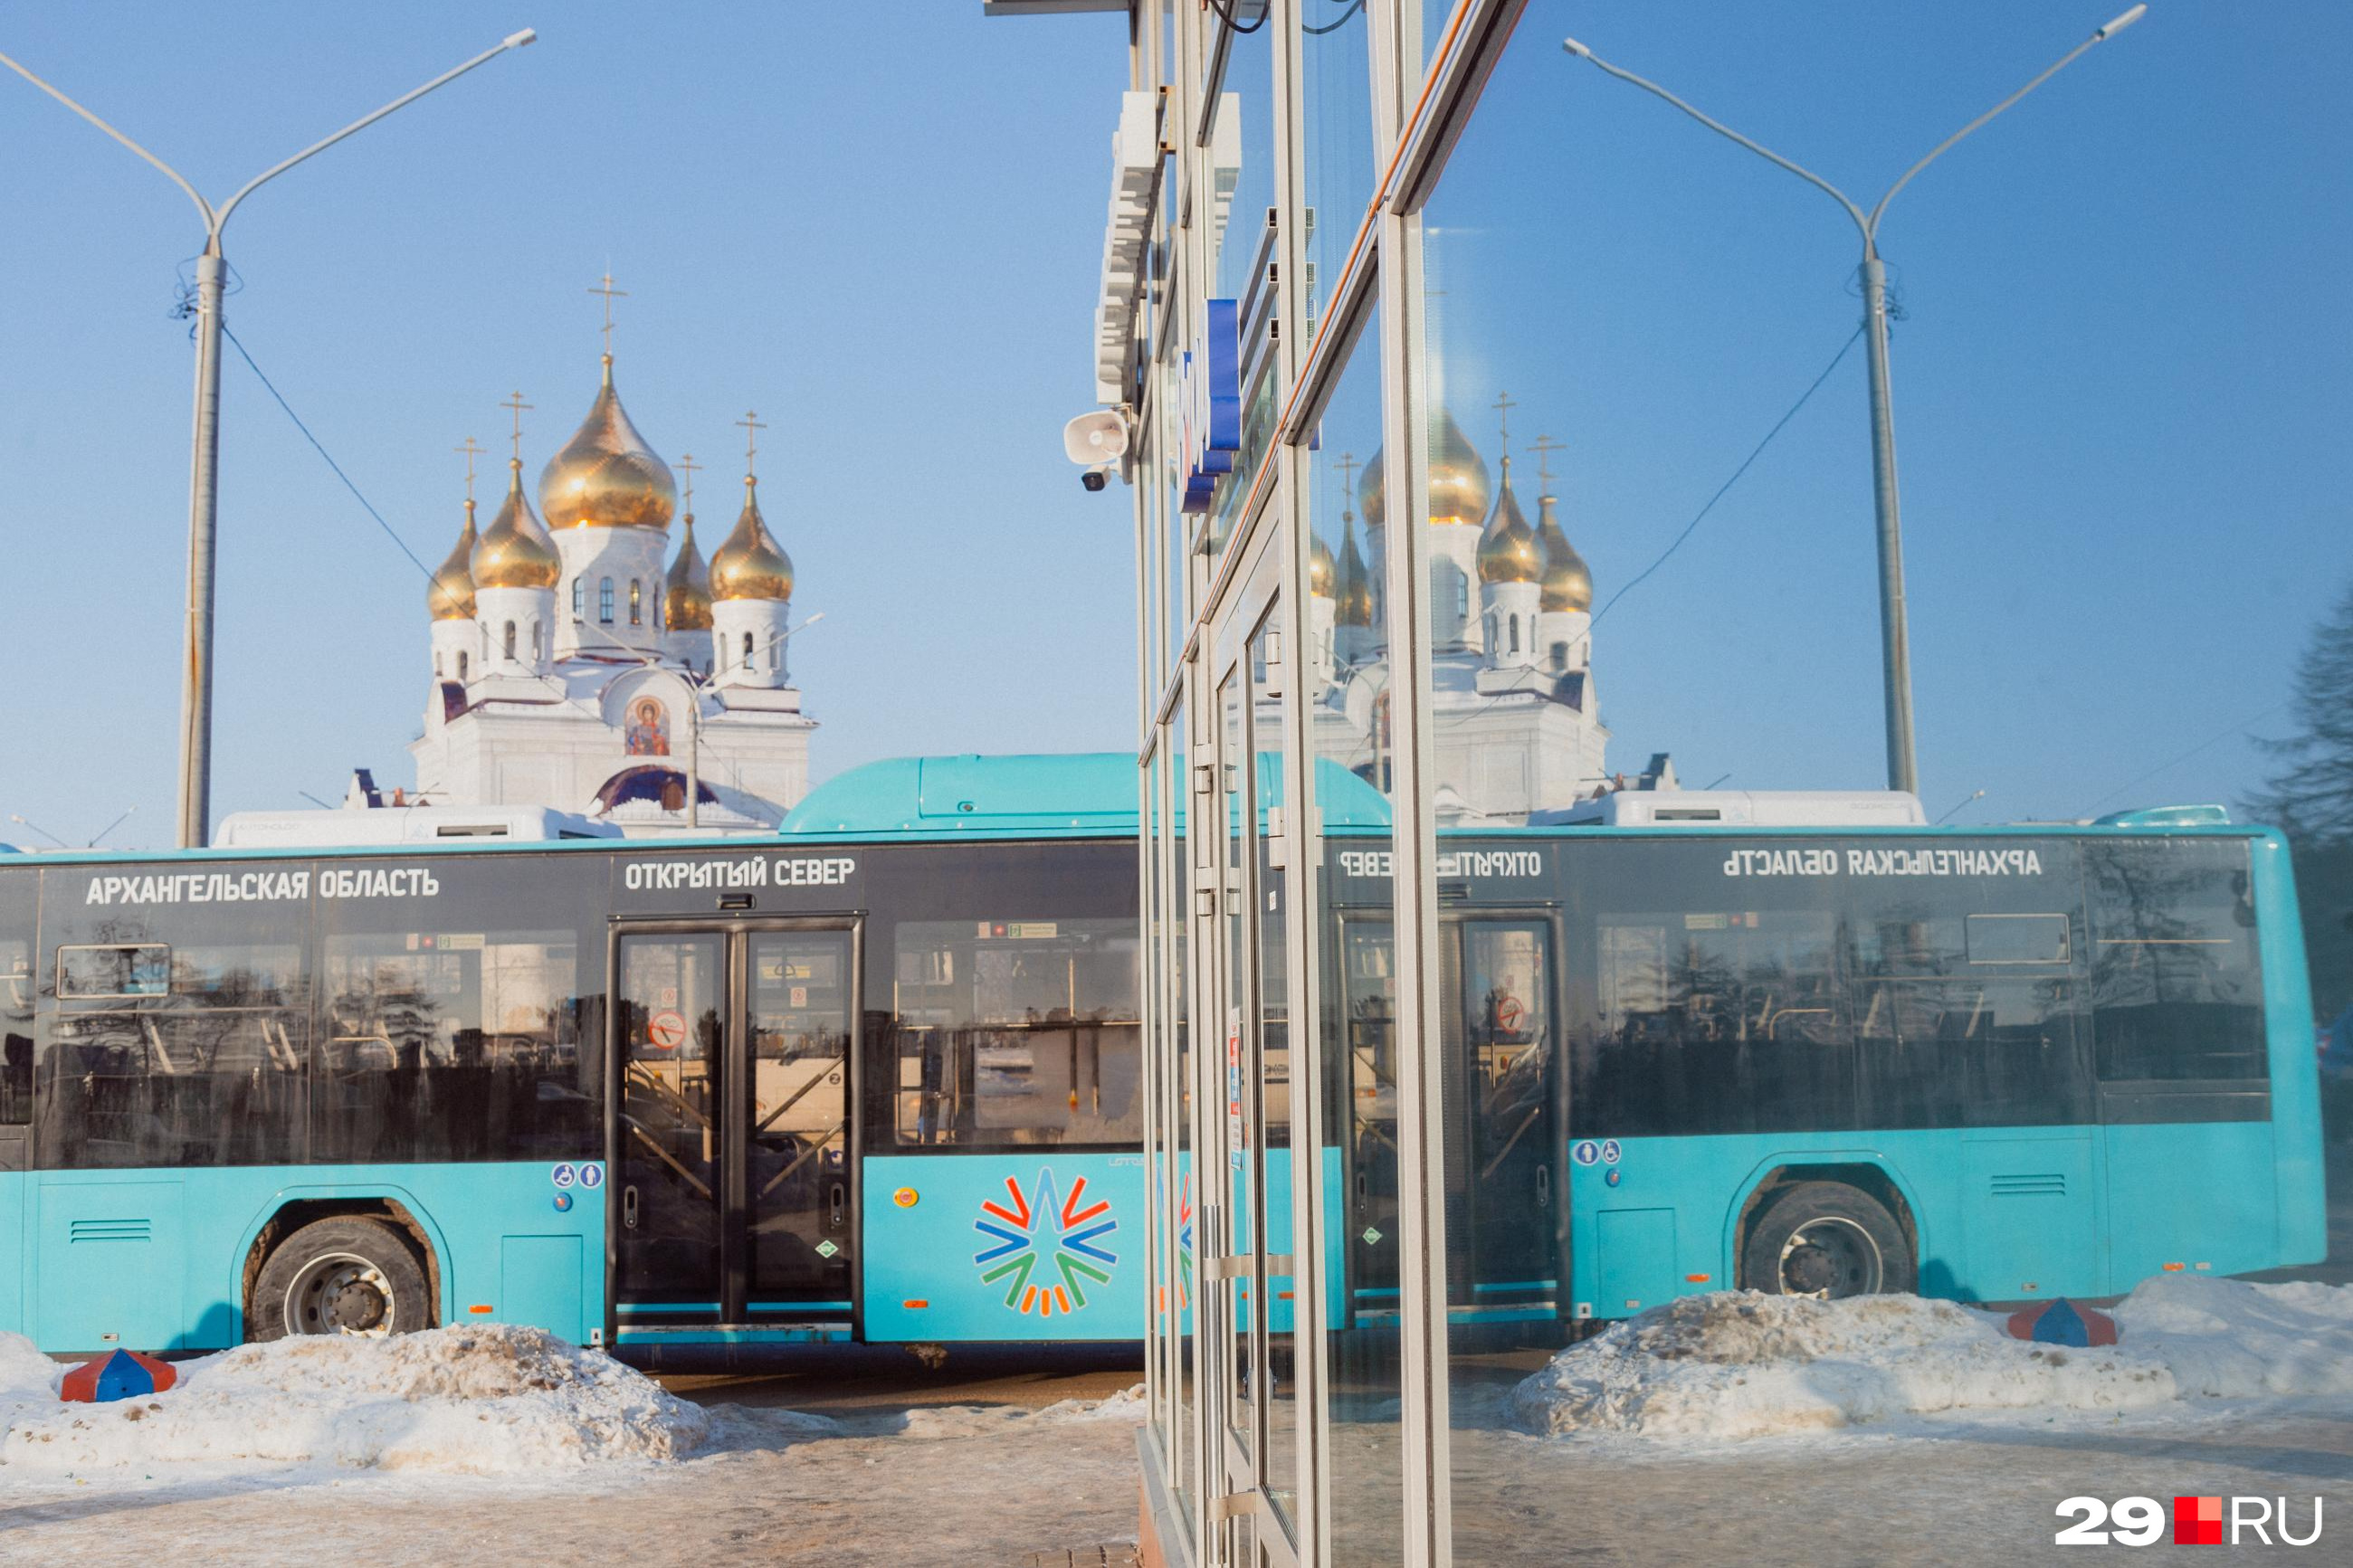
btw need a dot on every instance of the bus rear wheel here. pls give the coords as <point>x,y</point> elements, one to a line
<point>339,1276</point>
<point>1826,1240</point>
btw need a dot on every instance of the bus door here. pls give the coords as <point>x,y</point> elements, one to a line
<point>731,1142</point>
<point>1507,1196</point>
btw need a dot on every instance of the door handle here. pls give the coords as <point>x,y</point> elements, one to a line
<point>1543,1186</point>
<point>838,1197</point>
<point>630,1208</point>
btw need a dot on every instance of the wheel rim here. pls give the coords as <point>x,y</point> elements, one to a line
<point>340,1293</point>
<point>1830,1259</point>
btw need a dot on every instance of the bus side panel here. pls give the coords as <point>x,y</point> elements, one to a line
<point>1038,1245</point>
<point>2303,1182</point>
<point>16,1191</point>
<point>2192,1196</point>
<point>1988,1219</point>
<point>1282,1237</point>
<point>154,1259</point>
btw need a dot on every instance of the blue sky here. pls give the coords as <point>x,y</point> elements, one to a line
<point>2121,385</point>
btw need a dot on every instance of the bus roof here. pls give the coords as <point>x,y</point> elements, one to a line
<point>1067,795</point>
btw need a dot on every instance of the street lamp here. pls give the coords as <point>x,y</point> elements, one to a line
<point>1895,641</point>
<point>197,686</point>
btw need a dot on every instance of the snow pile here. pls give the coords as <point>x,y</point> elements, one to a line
<point>938,1420</point>
<point>484,1400</point>
<point>1740,1364</point>
<point>2227,1339</point>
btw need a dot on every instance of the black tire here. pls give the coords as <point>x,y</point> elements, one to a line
<point>1829,1240</point>
<point>340,1276</point>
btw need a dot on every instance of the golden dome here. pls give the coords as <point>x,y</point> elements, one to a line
<point>686,591</point>
<point>751,564</point>
<point>1356,596</point>
<point>1458,479</point>
<point>1319,568</point>
<point>607,477</point>
<point>1509,551</point>
<point>450,594</point>
<point>515,551</point>
<point>1567,582</point>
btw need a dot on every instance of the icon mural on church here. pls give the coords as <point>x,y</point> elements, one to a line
<point>649,730</point>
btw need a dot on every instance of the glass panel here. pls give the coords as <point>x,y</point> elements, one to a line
<point>469,1025</point>
<point>2177,985</point>
<point>797,1160</point>
<point>673,1006</point>
<point>1336,157</point>
<point>19,901</point>
<point>1345,675</point>
<point>1271,1148</point>
<point>1237,1230</point>
<point>175,1033</point>
<point>1238,187</point>
<point>1017,1032</point>
<point>1184,810</point>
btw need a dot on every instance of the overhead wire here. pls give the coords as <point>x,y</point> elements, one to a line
<point>316,446</point>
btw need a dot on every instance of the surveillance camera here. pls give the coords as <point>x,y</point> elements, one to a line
<point>1094,479</point>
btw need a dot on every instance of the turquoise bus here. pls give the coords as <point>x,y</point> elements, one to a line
<point>878,1077</point>
<point>1984,1063</point>
<point>875,1079</point>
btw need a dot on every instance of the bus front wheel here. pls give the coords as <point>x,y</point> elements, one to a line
<point>340,1276</point>
<point>1826,1240</point>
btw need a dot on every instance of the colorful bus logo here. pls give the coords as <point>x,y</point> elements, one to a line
<point>1045,1244</point>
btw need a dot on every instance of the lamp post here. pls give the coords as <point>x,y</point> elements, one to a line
<point>197,687</point>
<point>1895,641</point>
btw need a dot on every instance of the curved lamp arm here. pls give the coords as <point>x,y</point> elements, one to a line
<point>1870,228</point>
<point>512,41</point>
<point>1853,211</point>
<point>203,206</point>
<point>217,220</point>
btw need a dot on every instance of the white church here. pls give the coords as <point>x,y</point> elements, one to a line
<point>585,665</point>
<point>1518,724</point>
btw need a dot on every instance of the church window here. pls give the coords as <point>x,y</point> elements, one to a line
<point>1490,627</point>
<point>1560,656</point>
<point>437,667</point>
<point>604,601</point>
<point>579,597</point>
<point>1515,621</point>
<point>534,642</point>
<point>747,650</point>
<point>776,655</point>
<point>509,642</point>
<point>1462,598</point>
<point>637,604</point>
<point>461,664</point>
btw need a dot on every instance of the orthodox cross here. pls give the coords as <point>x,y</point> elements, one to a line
<point>472,450</point>
<point>1504,407</point>
<point>752,428</point>
<point>611,294</point>
<point>1347,465</point>
<point>518,405</point>
<point>688,466</point>
<point>1544,446</point>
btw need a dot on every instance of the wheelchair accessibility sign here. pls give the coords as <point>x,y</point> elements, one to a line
<point>1586,1152</point>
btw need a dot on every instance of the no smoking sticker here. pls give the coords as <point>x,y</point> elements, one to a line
<point>666,1030</point>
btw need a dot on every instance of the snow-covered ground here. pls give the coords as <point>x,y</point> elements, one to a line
<point>469,1442</point>
<point>1734,1365</point>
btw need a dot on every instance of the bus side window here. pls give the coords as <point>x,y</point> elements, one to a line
<point>15,1032</point>
<point>2177,985</point>
<point>161,1054</point>
<point>1017,1032</point>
